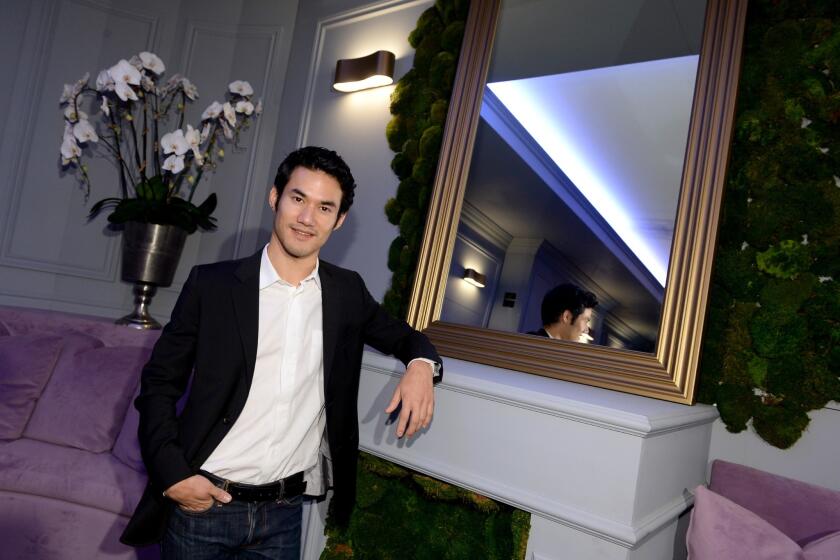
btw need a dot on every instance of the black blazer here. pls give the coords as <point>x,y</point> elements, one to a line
<point>213,331</point>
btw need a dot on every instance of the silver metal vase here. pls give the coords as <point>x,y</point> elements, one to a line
<point>150,255</point>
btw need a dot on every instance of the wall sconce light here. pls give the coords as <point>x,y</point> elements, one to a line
<point>373,70</point>
<point>475,278</point>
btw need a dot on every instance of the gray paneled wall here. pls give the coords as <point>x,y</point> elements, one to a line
<point>352,124</point>
<point>50,255</point>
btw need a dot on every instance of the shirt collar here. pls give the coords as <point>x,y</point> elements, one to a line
<point>268,275</point>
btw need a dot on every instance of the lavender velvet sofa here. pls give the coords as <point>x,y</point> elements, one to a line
<point>70,466</point>
<point>749,514</point>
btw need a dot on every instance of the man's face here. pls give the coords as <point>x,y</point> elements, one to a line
<point>306,212</point>
<point>581,324</point>
<point>573,329</point>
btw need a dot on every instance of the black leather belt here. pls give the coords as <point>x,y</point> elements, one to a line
<point>289,487</point>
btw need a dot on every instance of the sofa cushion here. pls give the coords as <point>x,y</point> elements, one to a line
<point>39,528</point>
<point>826,548</point>
<point>774,498</point>
<point>26,363</point>
<point>720,529</point>
<point>84,404</point>
<point>19,320</point>
<point>94,479</point>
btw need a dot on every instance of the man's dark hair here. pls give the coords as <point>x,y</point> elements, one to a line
<point>563,297</point>
<point>319,159</point>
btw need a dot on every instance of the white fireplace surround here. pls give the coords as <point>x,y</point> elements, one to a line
<point>604,474</point>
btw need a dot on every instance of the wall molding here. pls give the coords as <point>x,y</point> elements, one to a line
<point>34,92</point>
<point>498,260</point>
<point>486,228</point>
<point>274,34</point>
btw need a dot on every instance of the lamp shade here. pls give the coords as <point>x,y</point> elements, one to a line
<point>475,278</point>
<point>373,70</point>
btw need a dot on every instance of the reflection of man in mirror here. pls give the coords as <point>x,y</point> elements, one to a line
<point>566,313</point>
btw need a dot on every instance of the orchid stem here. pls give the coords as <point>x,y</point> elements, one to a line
<point>207,161</point>
<point>120,161</point>
<point>136,144</point>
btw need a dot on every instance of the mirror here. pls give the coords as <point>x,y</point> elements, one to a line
<point>576,168</point>
<point>586,143</point>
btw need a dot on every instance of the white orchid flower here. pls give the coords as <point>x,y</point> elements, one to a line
<point>193,138</point>
<point>174,142</point>
<point>172,83</point>
<point>212,112</point>
<point>226,129</point>
<point>124,91</point>
<point>106,109</point>
<point>241,87</point>
<point>84,131</point>
<point>136,62</point>
<point>205,132</point>
<point>147,84</point>
<point>73,115</point>
<point>124,75</point>
<point>104,81</point>
<point>68,132</point>
<point>68,94</point>
<point>180,81</point>
<point>124,72</point>
<point>151,61</point>
<point>245,107</point>
<point>189,89</point>
<point>69,150</point>
<point>72,90</point>
<point>230,114</point>
<point>258,109</point>
<point>174,164</point>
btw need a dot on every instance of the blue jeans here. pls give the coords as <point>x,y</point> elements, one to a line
<point>235,530</point>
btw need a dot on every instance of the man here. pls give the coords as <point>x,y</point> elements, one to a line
<point>566,313</point>
<point>275,341</point>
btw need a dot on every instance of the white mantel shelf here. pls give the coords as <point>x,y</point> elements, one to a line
<point>605,474</point>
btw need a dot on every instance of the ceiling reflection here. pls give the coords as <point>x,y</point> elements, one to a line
<point>618,134</point>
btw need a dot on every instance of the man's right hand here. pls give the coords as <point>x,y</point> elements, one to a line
<point>196,493</point>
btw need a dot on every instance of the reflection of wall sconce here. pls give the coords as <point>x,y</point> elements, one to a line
<point>373,70</point>
<point>475,278</point>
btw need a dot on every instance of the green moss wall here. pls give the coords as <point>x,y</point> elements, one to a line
<point>772,343</point>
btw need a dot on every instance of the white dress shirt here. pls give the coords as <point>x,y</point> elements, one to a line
<point>280,428</point>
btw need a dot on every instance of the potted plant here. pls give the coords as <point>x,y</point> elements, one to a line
<point>160,162</point>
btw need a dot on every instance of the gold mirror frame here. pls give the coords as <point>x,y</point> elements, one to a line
<point>670,372</point>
